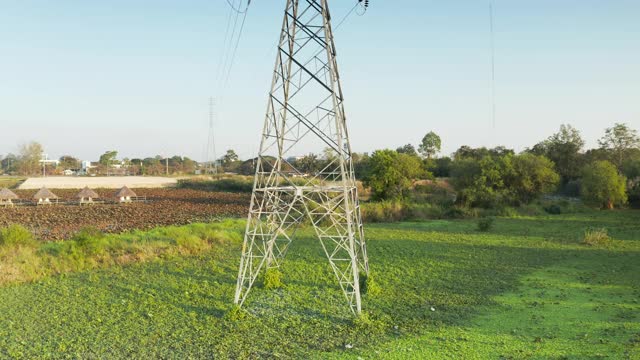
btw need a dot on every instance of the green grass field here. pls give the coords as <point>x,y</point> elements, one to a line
<point>527,289</point>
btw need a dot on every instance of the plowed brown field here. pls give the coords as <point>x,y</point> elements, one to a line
<point>163,207</point>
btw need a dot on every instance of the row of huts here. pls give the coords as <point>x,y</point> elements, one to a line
<point>86,196</point>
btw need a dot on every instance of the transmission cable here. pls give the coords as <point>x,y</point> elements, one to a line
<point>231,54</point>
<point>238,10</point>
<point>224,44</point>
<point>347,15</point>
<point>493,67</point>
<point>229,45</point>
<point>235,49</point>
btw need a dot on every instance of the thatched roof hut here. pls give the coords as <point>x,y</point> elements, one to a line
<point>125,194</point>
<point>6,194</point>
<point>44,193</point>
<point>87,193</point>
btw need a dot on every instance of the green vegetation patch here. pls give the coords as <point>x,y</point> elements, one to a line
<point>23,259</point>
<point>238,184</point>
<point>527,288</point>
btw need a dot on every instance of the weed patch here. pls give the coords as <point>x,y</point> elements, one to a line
<point>596,237</point>
<point>16,235</point>
<point>485,224</point>
<point>273,279</point>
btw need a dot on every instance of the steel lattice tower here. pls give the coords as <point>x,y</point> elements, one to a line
<point>305,109</point>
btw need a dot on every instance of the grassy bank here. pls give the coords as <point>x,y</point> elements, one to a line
<point>528,288</point>
<point>10,182</point>
<point>23,259</point>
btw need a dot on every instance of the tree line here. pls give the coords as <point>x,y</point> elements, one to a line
<point>606,176</point>
<point>27,162</point>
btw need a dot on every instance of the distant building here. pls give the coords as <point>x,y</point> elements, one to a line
<point>53,163</point>
<point>293,159</point>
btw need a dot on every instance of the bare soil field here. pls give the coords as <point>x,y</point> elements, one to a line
<point>164,207</point>
<point>109,182</point>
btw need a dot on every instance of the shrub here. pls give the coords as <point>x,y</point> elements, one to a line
<point>366,325</point>
<point>235,314</point>
<point>368,285</point>
<point>508,211</point>
<point>91,240</point>
<point>596,237</point>
<point>485,224</point>
<point>553,209</point>
<point>385,211</point>
<point>16,235</point>
<point>459,212</point>
<point>273,279</point>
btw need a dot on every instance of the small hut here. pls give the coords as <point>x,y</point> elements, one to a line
<point>125,194</point>
<point>6,197</point>
<point>45,197</point>
<point>87,196</point>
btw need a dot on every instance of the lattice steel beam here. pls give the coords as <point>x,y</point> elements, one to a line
<point>305,108</point>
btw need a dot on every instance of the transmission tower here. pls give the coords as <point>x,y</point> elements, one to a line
<point>305,110</point>
<point>212,162</point>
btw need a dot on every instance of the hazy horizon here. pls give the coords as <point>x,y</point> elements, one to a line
<point>136,76</point>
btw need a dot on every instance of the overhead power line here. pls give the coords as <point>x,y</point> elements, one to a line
<point>493,67</point>
<point>238,10</point>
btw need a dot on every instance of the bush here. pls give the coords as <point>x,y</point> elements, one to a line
<point>459,212</point>
<point>16,235</point>
<point>596,237</point>
<point>368,285</point>
<point>273,279</point>
<point>553,209</point>
<point>602,185</point>
<point>385,211</point>
<point>485,224</point>
<point>91,240</point>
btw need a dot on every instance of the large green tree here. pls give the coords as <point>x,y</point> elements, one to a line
<point>602,185</point>
<point>564,148</point>
<point>108,158</point>
<point>308,164</point>
<point>502,180</point>
<point>467,152</point>
<point>431,145</point>
<point>391,173</point>
<point>9,163</point>
<point>229,157</point>
<point>620,140</point>
<point>532,176</point>
<point>29,158</point>
<point>407,149</point>
<point>69,162</point>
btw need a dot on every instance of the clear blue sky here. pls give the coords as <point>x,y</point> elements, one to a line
<point>82,77</point>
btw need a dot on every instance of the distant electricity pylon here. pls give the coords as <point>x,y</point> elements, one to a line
<point>305,110</point>
<point>211,161</point>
